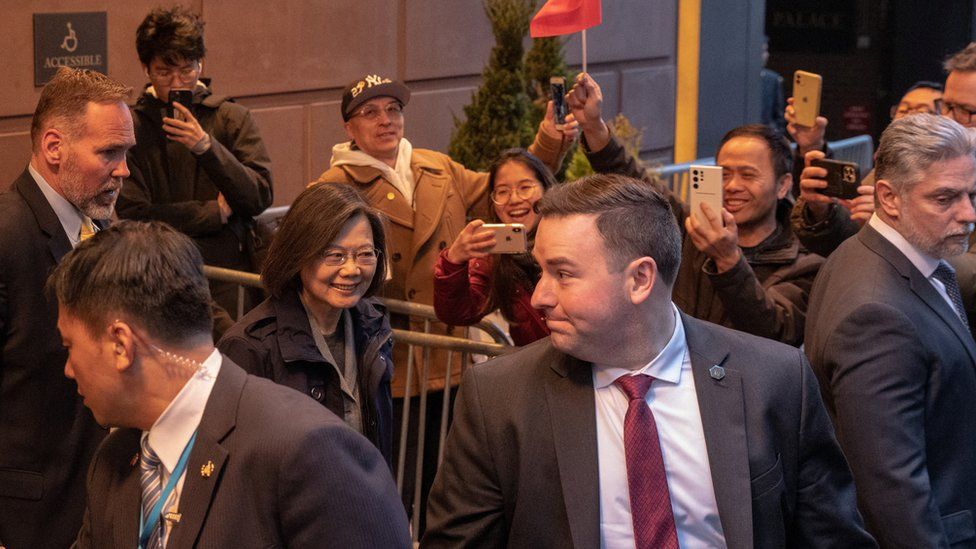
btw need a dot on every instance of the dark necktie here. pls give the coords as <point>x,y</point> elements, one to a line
<point>944,274</point>
<point>650,501</point>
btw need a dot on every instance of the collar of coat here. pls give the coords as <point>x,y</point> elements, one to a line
<point>293,330</point>
<point>418,162</point>
<point>781,246</point>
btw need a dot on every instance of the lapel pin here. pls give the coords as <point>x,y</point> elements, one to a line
<point>135,459</point>
<point>173,518</point>
<point>207,469</point>
<point>717,372</point>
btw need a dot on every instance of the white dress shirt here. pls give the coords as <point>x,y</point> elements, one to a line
<point>69,216</point>
<point>174,427</point>
<point>674,403</point>
<point>925,263</point>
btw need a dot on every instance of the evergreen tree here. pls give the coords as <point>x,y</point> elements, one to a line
<point>497,117</point>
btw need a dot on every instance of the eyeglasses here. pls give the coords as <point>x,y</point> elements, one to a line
<point>372,112</point>
<point>904,110</point>
<point>363,257</point>
<point>503,195</point>
<point>185,74</point>
<point>958,113</point>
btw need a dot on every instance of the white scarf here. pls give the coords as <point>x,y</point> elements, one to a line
<point>401,176</point>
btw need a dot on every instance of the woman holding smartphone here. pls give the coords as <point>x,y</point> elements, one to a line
<point>320,332</point>
<point>470,281</point>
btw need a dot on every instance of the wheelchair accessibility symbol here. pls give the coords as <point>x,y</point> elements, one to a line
<point>70,42</point>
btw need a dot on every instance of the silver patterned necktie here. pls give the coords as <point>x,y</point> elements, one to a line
<point>151,490</point>
<point>947,276</point>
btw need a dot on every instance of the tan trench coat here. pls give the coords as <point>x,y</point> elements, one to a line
<point>447,196</point>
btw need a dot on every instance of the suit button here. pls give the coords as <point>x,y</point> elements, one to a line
<point>317,393</point>
<point>441,245</point>
<point>396,256</point>
<point>411,293</point>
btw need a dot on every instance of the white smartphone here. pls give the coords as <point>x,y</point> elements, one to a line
<point>706,187</point>
<point>806,97</point>
<point>509,238</point>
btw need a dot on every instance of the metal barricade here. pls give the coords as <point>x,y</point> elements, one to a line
<point>466,347</point>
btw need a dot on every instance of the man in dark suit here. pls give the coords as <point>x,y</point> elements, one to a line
<point>634,424</point>
<point>204,454</point>
<point>887,338</point>
<point>80,133</point>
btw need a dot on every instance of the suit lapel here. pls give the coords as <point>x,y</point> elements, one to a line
<point>927,293</point>
<point>919,285</point>
<point>125,505</point>
<point>569,393</point>
<point>47,220</point>
<point>208,458</point>
<point>723,423</point>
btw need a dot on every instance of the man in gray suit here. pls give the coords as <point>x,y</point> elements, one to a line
<point>887,337</point>
<point>205,455</point>
<point>634,424</point>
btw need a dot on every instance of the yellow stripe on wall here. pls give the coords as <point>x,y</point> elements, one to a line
<point>686,102</point>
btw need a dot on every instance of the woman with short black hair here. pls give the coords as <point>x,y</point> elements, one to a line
<point>320,332</point>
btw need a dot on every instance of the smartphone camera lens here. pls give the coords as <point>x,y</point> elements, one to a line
<point>695,186</point>
<point>516,229</point>
<point>695,179</point>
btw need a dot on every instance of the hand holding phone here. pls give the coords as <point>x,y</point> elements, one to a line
<point>557,88</point>
<point>509,238</point>
<point>707,188</point>
<point>806,97</point>
<point>842,178</point>
<point>183,97</point>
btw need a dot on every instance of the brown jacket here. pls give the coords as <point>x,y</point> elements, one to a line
<point>447,195</point>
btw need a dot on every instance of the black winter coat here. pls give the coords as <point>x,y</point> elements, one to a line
<point>274,341</point>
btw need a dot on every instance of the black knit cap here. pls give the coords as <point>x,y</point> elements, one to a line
<point>368,87</point>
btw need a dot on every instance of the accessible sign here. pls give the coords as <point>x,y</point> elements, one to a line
<point>76,40</point>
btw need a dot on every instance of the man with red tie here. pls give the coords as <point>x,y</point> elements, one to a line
<point>635,425</point>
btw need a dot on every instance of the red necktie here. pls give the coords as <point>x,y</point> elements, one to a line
<point>650,501</point>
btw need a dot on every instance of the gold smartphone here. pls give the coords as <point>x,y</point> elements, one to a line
<point>806,97</point>
<point>509,238</point>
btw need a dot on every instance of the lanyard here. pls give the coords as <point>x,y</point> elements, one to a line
<point>145,530</point>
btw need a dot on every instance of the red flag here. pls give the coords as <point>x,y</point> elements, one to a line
<point>565,17</point>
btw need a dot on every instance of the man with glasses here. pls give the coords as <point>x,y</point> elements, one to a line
<point>923,97</point>
<point>959,99</point>
<point>203,169</point>
<point>428,199</point>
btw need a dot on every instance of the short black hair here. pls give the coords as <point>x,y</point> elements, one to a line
<point>172,35</point>
<point>634,218</point>
<point>146,273</point>
<point>780,153</point>
<point>926,84</point>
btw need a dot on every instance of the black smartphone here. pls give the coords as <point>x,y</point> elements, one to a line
<point>843,178</point>
<point>183,97</point>
<point>557,87</point>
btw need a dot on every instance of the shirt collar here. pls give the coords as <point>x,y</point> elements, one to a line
<point>666,366</point>
<point>69,216</point>
<point>174,427</point>
<point>925,263</point>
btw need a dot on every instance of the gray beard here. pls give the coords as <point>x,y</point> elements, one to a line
<point>72,187</point>
<point>937,248</point>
